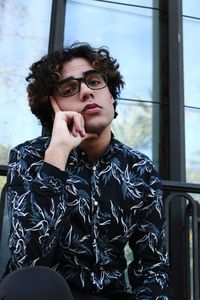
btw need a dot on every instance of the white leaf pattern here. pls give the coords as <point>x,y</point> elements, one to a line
<point>79,221</point>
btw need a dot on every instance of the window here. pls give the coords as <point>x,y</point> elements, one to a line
<point>23,40</point>
<point>191,33</point>
<point>130,30</point>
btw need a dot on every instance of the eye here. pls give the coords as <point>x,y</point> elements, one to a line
<point>68,88</point>
<point>95,80</point>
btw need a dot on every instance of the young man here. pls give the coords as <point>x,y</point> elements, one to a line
<point>78,196</point>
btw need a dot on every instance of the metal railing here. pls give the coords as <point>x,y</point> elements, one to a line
<point>3,170</point>
<point>183,238</point>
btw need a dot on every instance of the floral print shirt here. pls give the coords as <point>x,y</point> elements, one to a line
<point>78,221</point>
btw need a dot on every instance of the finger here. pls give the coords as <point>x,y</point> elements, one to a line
<point>54,104</point>
<point>78,125</point>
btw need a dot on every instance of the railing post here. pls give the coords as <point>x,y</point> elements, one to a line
<point>178,192</point>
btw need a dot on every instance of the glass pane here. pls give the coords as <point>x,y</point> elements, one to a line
<point>133,125</point>
<point>23,40</point>
<point>191,43</point>
<point>129,32</point>
<point>191,8</point>
<point>2,182</point>
<point>192,121</point>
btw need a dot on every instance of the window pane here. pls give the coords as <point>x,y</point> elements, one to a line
<point>191,8</point>
<point>2,182</point>
<point>23,40</point>
<point>192,121</point>
<point>133,125</point>
<point>129,32</point>
<point>191,43</point>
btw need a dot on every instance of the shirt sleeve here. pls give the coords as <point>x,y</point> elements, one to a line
<point>36,205</point>
<point>149,271</point>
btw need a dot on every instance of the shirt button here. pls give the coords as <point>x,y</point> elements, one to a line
<point>96,203</point>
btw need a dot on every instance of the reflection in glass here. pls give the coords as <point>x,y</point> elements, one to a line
<point>133,125</point>
<point>23,40</point>
<point>130,34</point>
<point>2,182</point>
<point>191,8</point>
<point>192,124</point>
<point>191,43</point>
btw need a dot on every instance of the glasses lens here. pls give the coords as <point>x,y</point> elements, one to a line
<point>68,88</point>
<point>96,81</point>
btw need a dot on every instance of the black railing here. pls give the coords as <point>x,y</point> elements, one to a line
<point>183,238</point>
<point>183,187</point>
<point>3,170</point>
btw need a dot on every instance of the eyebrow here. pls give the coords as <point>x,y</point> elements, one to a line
<point>72,77</point>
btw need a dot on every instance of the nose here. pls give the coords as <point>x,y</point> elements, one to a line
<point>85,92</point>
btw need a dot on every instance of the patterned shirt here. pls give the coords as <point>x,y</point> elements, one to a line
<point>78,221</point>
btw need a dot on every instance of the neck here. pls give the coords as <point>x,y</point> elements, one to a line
<point>95,147</point>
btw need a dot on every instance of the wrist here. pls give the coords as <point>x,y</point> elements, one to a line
<point>57,157</point>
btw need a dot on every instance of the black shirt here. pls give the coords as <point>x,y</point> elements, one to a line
<point>78,221</point>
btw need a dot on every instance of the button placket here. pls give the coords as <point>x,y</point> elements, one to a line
<point>96,203</point>
<point>95,210</point>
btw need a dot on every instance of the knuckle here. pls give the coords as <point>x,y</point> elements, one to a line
<point>78,116</point>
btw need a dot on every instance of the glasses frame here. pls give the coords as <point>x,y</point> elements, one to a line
<point>102,74</point>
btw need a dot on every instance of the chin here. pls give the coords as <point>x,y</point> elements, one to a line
<point>92,129</point>
<point>95,128</point>
<point>98,125</point>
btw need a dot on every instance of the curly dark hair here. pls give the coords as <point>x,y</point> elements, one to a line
<point>44,74</point>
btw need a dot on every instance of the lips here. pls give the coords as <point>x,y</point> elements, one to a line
<point>91,107</point>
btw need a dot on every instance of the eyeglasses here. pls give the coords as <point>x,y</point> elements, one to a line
<point>95,80</point>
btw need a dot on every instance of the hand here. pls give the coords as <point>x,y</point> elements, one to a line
<point>68,132</point>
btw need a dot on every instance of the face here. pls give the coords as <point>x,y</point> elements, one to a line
<point>96,106</point>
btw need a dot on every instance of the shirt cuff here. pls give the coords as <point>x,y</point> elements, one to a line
<point>50,170</point>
